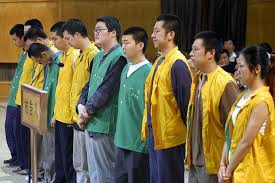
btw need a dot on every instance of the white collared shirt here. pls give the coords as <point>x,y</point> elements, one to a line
<point>134,67</point>
<point>233,57</point>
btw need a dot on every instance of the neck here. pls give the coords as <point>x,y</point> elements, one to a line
<point>109,46</point>
<point>85,44</point>
<point>255,85</point>
<point>165,50</point>
<point>210,68</point>
<point>137,59</point>
<point>66,49</point>
<point>47,42</point>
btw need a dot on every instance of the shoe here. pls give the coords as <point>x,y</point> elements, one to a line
<point>40,180</point>
<point>9,161</point>
<point>14,164</point>
<point>23,172</point>
<point>17,169</point>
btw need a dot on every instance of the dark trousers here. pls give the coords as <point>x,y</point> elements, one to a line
<point>65,171</point>
<point>10,125</point>
<point>131,167</point>
<point>23,137</point>
<point>166,165</point>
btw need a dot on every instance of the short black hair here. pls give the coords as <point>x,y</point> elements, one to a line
<point>256,55</point>
<point>139,35</point>
<point>18,30</point>
<point>172,23</point>
<point>112,23</point>
<point>36,49</point>
<point>73,26</point>
<point>228,39</point>
<point>266,46</point>
<point>57,28</point>
<point>34,33</point>
<point>211,41</point>
<point>34,23</point>
<point>225,51</point>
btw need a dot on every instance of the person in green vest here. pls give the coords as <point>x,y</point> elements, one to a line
<point>98,102</point>
<point>16,33</point>
<point>51,61</point>
<point>131,157</point>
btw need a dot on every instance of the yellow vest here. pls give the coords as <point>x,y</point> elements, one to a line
<point>26,77</point>
<point>212,128</point>
<point>62,109</point>
<point>39,82</point>
<point>258,164</point>
<point>81,76</point>
<point>167,124</point>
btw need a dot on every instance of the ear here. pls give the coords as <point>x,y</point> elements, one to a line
<point>258,69</point>
<point>39,40</point>
<point>171,35</point>
<point>211,54</point>
<point>113,33</point>
<point>141,46</point>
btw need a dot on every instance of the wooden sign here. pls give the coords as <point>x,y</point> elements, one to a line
<point>34,108</point>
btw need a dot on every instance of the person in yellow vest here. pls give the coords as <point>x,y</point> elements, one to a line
<point>62,120</point>
<point>249,149</point>
<point>37,35</point>
<point>23,132</point>
<point>76,34</point>
<point>167,93</point>
<point>213,92</point>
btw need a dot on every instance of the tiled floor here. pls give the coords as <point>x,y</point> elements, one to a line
<point>6,174</point>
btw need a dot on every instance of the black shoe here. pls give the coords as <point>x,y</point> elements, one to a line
<point>9,161</point>
<point>16,170</point>
<point>16,163</point>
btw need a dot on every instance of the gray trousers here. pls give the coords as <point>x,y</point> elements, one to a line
<point>49,155</point>
<point>39,145</point>
<point>80,157</point>
<point>198,175</point>
<point>101,157</point>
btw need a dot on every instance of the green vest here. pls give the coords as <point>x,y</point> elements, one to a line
<point>50,86</point>
<point>130,110</point>
<point>103,121</point>
<point>15,80</point>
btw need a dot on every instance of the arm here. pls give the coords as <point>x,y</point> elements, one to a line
<point>105,90</point>
<point>181,82</point>
<point>258,116</point>
<point>229,96</point>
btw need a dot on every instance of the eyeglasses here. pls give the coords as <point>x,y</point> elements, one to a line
<point>99,30</point>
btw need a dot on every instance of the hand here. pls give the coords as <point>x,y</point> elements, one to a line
<point>53,123</point>
<point>222,175</point>
<point>82,123</point>
<point>82,112</point>
<point>228,175</point>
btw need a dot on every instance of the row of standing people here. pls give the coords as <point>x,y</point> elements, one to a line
<point>115,114</point>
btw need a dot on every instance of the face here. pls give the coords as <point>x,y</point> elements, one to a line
<point>43,59</point>
<point>243,73</point>
<point>26,28</point>
<point>229,46</point>
<point>224,59</point>
<point>72,40</point>
<point>198,56</point>
<point>58,41</point>
<point>101,34</point>
<point>17,41</point>
<point>159,35</point>
<point>130,47</point>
